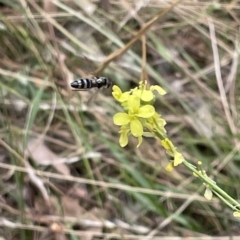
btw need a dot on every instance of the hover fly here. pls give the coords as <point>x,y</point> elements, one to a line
<point>84,84</point>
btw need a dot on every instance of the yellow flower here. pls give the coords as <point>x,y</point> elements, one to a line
<point>138,113</point>
<point>135,111</point>
<point>133,118</point>
<point>123,140</point>
<point>171,150</point>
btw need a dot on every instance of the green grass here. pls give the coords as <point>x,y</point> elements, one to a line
<point>125,191</point>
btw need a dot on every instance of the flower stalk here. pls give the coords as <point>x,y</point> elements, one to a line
<point>139,118</point>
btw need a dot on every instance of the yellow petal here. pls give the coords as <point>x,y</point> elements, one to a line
<point>124,97</point>
<point>116,89</point>
<point>208,194</point>
<point>137,92</point>
<point>117,92</point>
<point>178,159</point>
<point>169,167</point>
<point>120,119</point>
<point>160,90</point>
<point>133,103</point>
<point>136,128</point>
<point>139,141</point>
<point>160,121</point>
<point>123,140</point>
<point>147,96</point>
<point>146,111</point>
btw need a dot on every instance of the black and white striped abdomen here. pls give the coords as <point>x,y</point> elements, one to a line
<point>82,83</point>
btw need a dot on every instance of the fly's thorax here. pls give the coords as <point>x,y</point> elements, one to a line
<point>103,82</point>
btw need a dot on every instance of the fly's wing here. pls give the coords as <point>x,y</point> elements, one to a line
<point>96,93</point>
<point>87,65</point>
<point>93,97</point>
<point>90,65</point>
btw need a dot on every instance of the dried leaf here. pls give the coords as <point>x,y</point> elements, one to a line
<point>44,156</point>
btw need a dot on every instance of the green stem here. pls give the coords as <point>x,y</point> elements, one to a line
<point>227,199</point>
<point>217,190</point>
